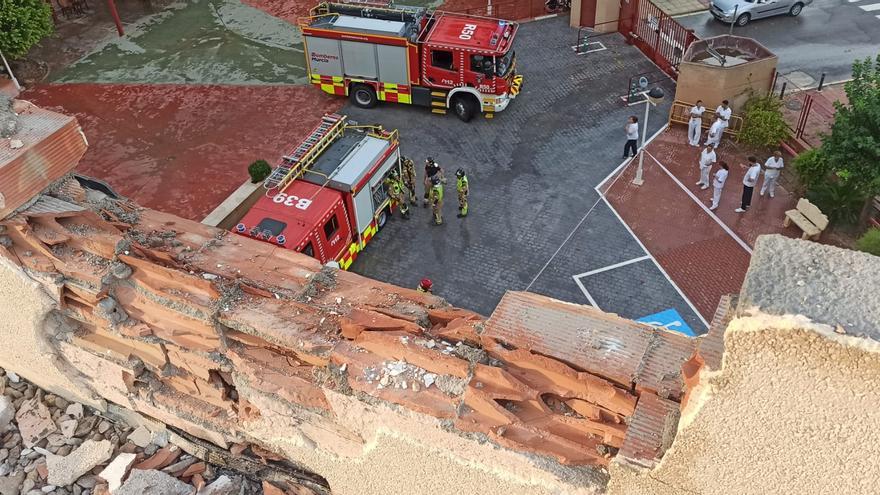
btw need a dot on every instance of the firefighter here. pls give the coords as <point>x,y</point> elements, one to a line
<point>461,186</point>
<point>409,178</point>
<point>395,191</point>
<point>436,198</point>
<point>432,169</point>
<point>425,285</point>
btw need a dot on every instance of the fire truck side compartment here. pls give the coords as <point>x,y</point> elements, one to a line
<point>324,55</point>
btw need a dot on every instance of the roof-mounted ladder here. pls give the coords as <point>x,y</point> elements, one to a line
<point>295,164</point>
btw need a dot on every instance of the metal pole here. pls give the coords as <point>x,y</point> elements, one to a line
<point>821,82</point>
<point>732,22</point>
<point>782,91</point>
<point>9,71</point>
<point>638,180</point>
<point>116,19</point>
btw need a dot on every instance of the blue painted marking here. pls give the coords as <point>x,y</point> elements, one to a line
<point>670,320</point>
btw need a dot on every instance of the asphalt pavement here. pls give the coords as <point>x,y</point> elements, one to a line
<point>826,38</point>
<point>535,221</point>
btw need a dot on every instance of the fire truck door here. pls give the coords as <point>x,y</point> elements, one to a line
<point>335,233</point>
<point>444,67</point>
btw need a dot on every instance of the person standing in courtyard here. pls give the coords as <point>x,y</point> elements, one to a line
<point>695,123</point>
<point>715,132</point>
<point>718,184</point>
<point>724,112</point>
<point>409,178</point>
<point>707,159</point>
<point>632,137</point>
<point>772,168</point>
<point>749,181</point>
<point>396,189</point>
<point>463,189</point>
<point>436,199</point>
<point>432,170</point>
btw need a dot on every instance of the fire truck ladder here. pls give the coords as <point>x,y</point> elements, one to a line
<point>295,164</point>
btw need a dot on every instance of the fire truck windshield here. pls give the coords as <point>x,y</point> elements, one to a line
<point>505,63</point>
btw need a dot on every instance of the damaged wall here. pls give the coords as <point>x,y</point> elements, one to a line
<point>262,351</point>
<point>793,409</point>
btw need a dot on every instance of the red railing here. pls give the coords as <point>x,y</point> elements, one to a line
<point>655,33</point>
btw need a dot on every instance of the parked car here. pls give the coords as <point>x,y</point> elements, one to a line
<point>743,11</point>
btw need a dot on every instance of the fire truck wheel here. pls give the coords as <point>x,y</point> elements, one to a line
<point>363,96</point>
<point>383,217</point>
<point>464,107</point>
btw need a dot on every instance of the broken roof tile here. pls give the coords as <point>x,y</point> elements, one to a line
<point>650,430</point>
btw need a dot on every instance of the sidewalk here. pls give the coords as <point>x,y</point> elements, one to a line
<point>706,254</point>
<point>681,7</point>
<point>821,114</point>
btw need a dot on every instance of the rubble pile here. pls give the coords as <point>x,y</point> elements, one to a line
<point>51,446</point>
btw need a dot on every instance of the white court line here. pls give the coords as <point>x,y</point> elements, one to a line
<point>616,170</point>
<point>575,48</point>
<point>668,278</point>
<point>586,293</point>
<point>703,206</point>
<point>612,267</point>
<point>870,8</point>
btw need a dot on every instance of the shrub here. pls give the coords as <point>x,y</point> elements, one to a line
<point>259,170</point>
<point>23,23</point>
<point>839,200</point>
<point>763,123</point>
<point>870,242</point>
<point>812,168</point>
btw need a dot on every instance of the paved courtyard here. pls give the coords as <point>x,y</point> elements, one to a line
<point>536,221</point>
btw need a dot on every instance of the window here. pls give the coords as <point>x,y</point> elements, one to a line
<point>483,65</point>
<point>442,59</point>
<point>269,227</point>
<point>331,227</point>
<point>309,250</point>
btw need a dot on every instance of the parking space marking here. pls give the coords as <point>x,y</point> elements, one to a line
<point>612,267</point>
<point>703,206</point>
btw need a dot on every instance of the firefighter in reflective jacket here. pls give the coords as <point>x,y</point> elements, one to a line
<point>395,191</point>
<point>432,170</point>
<point>436,199</point>
<point>409,178</point>
<point>462,187</point>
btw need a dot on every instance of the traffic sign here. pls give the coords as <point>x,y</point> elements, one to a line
<point>670,320</point>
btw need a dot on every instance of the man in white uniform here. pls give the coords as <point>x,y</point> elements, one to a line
<point>707,159</point>
<point>749,181</point>
<point>695,123</point>
<point>718,184</point>
<point>715,131</point>
<point>771,173</point>
<point>724,111</point>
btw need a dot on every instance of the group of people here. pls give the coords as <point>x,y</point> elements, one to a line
<point>402,188</point>
<point>772,168</point>
<point>716,130</point>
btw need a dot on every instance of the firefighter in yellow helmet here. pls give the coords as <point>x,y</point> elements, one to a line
<point>396,192</point>
<point>461,186</point>
<point>436,199</point>
<point>409,178</point>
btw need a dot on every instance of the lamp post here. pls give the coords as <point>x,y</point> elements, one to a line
<point>9,70</point>
<point>653,97</point>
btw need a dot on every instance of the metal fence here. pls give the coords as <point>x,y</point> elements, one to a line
<point>807,113</point>
<point>655,33</point>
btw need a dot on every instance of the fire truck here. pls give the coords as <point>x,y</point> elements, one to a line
<point>327,198</point>
<point>412,55</point>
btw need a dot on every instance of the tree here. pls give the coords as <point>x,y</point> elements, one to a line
<point>23,23</point>
<point>853,147</point>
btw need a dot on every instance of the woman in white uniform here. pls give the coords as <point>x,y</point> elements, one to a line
<point>695,123</point>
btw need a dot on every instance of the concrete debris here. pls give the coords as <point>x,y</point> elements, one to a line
<point>7,412</point>
<point>8,118</point>
<point>117,470</point>
<point>34,422</point>
<point>74,410</point>
<point>11,485</point>
<point>67,469</point>
<point>16,144</point>
<point>153,482</point>
<point>223,485</point>
<point>140,437</point>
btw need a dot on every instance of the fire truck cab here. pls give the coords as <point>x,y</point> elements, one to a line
<point>412,55</point>
<point>327,198</point>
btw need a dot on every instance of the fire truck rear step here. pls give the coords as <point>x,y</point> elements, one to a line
<point>438,102</point>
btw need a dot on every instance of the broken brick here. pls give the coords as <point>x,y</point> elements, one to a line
<point>404,348</point>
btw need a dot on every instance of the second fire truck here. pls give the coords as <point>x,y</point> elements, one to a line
<point>412,55</point>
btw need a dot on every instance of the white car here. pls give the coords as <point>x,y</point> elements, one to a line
<point>743,11</point>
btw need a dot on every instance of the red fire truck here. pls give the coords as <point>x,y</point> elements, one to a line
<point>412,55</point>
<point>327,198</point>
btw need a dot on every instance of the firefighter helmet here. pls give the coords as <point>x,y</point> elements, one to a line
<point>394,175</point>
<point>425,285</point>
<point>459,173</point>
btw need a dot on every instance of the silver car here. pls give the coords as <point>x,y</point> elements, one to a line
<point>743,11</point>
